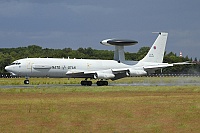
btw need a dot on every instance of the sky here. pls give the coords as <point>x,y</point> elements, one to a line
<point>77,23</point>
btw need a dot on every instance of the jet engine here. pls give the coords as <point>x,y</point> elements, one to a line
<point>99,75</point>
<point>133,72</point>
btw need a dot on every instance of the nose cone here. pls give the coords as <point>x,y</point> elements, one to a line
<point>10,70</point>
<point>7,68</point>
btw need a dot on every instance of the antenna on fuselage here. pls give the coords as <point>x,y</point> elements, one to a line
<point>119,47</point>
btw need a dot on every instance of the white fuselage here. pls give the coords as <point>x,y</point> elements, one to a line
<point>53,67</point>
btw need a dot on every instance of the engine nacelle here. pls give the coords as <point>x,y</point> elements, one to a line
<point>133,72</point>
<point>99,75</point>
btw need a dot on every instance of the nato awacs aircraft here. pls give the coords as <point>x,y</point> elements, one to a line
<point>101,70</point>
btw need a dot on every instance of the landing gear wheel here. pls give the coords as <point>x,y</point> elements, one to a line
<point>102,83</point>
<point>26,81</point>
<point>86,83</point>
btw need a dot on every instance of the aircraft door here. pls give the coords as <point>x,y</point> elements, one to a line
<point>29,66</point>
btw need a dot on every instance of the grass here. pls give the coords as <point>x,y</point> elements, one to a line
<point>101,109</point>
<point>38,81</point>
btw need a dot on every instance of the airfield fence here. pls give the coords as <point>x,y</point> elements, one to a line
<point>8,75</point>
<point>173,75</point>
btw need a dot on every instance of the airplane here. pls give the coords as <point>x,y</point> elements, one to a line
<point>101,70</point>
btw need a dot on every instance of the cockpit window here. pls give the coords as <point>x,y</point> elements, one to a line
<point>15,63</point>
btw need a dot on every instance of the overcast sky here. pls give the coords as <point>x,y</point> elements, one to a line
<point>84,23</point>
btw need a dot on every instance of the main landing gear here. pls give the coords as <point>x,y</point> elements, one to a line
<point>86,83</point>
<point>89,83</point>
<point>102,83</point>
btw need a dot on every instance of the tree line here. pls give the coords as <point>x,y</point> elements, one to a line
<point>8,55</point>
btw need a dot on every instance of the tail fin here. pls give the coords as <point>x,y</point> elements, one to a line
<point>156,52</point>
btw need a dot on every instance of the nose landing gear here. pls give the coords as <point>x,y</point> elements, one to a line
<point>26,81</point>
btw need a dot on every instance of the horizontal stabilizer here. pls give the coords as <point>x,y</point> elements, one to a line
<point>183,63</point>
<point>158,66</point>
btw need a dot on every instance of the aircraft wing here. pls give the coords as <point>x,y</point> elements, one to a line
<point>79,74</point>
<point>74,72</point>
<point>99,74</point>
<point>112,74</point>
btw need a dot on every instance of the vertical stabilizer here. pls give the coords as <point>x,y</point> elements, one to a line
<point>156,52</point>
